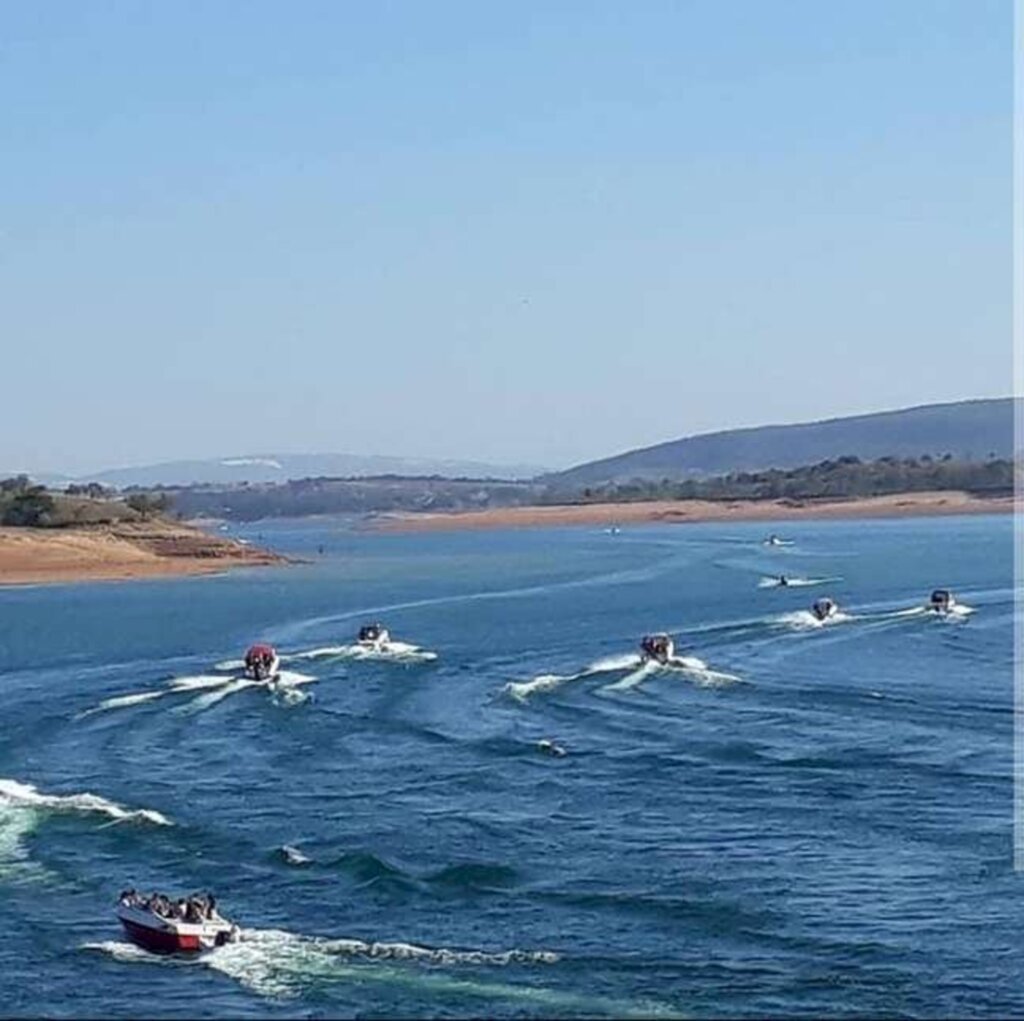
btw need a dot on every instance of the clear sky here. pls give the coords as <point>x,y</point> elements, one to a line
<point>533,231</point>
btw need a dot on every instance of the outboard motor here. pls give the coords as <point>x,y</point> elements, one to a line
<point>823,609</point>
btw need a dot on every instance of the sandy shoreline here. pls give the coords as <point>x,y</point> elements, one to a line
<point>694,511</point>
<point>33,556</point>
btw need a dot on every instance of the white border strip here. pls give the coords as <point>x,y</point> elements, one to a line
<point>1018,392</point>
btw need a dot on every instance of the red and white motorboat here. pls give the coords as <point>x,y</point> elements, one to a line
<point>262,662</point>
<point>164,926</point>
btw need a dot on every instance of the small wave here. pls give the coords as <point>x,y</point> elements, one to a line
<point>369,870</point>
<point>22,794</point>
<point>694,668</point>
<point>475,876</point>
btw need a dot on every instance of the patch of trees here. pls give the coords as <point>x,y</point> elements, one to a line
<point>304,497</point>
<point>24,504</point>
<point>838,478</point>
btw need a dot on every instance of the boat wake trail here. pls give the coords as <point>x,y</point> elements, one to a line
<point>276,963</point>
<point>21,809</point>
<point>695,669</point>
<point>796,582</point>
<point>395,652</point>
<point>215,686</point>
<point>639,670</point>
<point>280,965</point>
<point>173,687</point>
<point>522,690</point>
<point>13,793</point>
<point>283,687</point>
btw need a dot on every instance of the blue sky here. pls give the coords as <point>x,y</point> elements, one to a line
<point>538,232</point>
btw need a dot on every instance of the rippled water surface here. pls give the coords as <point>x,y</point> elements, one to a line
<point>795,819</point>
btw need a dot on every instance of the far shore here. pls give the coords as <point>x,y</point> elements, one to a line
<point>154,549</point>
<point>898,505</point>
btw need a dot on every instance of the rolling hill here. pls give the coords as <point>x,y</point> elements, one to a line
<point>265,468</point>
<point>968,430</point>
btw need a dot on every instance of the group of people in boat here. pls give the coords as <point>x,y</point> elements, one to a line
<point>261,662</point>
<point>374,635</point>
<point>196,909</point>
<point>658,647</point>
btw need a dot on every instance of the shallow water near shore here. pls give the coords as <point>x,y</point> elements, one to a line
<point>800,819</point>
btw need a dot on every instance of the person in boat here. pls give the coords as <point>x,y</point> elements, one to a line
<point>823,609</point>
<point>374,635</point>
<point>261,662</point>
<point>941,601</point>
<point>783,581</point>
<point>657,647</point>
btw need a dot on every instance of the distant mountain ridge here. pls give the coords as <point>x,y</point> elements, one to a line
<point>968,430</point>
<point>258,468</point>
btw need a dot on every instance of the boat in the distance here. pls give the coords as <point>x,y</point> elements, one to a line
<point>941,601</point>
<point>659,647</point>
<point>164,925</point>
<point>824,609</point>
<point>262,662</point>
<point>374,636</point>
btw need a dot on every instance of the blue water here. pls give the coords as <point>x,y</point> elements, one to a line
<point>819,821</point>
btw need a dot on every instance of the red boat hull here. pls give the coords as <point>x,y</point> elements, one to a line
<point>159,942</point>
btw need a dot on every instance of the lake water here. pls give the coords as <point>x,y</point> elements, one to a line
<point>818,820</point>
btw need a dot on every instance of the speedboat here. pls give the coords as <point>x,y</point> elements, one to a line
<point>941,601</point>
<point>165,926</point>
<point>374,636</point>
<point>773,540</point>
<point>824,609</point>
<point>262,663</point>
<point>658,647</point>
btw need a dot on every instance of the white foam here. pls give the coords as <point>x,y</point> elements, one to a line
<point>272,961</point>
<point>522,690</point>
<point>282,684</point>
<point>396,651</point>
<point>278,964</point>
<point>196,683</point>
<point>16,823</point>
<point>174,686</point>
<point>803,620</point>
<point>15,793</point>
<point>795,582</point>
<point>129,953</point>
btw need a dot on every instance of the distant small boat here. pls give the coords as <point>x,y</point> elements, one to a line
<point>824,609</point>
<point>941,601</point>
<point>374,636</point>
<point>659,648</point>
<point>262,662</point>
